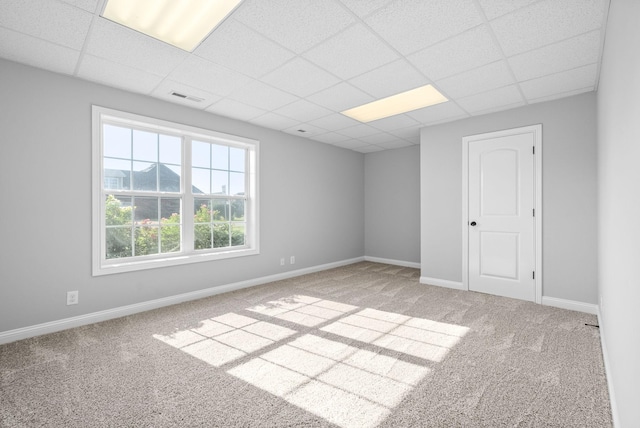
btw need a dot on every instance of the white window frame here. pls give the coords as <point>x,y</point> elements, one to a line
<point>104,266</point>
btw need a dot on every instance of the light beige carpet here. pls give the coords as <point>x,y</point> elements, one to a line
<point>365,345</point>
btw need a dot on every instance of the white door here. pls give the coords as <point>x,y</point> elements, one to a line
<point>501,217</point>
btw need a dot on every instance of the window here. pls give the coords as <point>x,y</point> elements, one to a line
<point>167,194</point>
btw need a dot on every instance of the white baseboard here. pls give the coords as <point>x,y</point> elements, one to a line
<point>66,323</point>
<point>607,370</point>
<point>441,282</point>
<point>572,305</point>
<point>392,262</point>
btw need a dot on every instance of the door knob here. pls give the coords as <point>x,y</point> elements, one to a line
<point>473,223</point>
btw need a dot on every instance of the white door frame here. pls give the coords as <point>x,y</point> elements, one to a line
<point>536,130</point>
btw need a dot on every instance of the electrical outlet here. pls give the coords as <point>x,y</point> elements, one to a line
<point>292,260</point>
<point>282,261</point>
<point>72,298</point>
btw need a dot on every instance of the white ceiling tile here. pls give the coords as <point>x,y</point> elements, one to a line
<point>501,107</point>
<point>117,43</point>
<point>437,113</point>
<point>303,111</point>
<point>380,138</point>
<point>295,24</point>
<point>334,122</point>
<point>413,25</point>
<point>359,131</point>
<point>210,77</point>
<point>496,98</point>
<point>395,144</point>
<point>164,90</point>
<point>117,75</point>
<point>88,5</point>
<point>561,95</point>
<point>352,52</point>
<point>466,51</point>
<point>236,110</point>
<point>274,121</point>
<point>392,123</point>
<point>368,149</point>
<point>330,138</point>
<point>351,144</point>
<point>300,78</point>
<point>481,79</point>
<point>547,22</point>
<point>263,96</point>
<point>341,97</point>
<point>411,134</point>
<point>390,79</point>
<point>55,22</point>
<point>578,78</point>
<point>363,8</point>
<point>562,56</point>
<point>495,8</point>
<point>37,52</point>
<point>237,47</point>
<point>305,130</point>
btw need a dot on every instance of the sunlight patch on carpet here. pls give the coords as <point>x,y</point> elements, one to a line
<point>339,382</point>
<point>303,310</point>
<point>344,385</point>
<point>226,338</point>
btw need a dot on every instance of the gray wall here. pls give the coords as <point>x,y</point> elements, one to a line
<point>568,194</point>
<point>619,207</point>
<point>311,201</point>
<point>392,204</point>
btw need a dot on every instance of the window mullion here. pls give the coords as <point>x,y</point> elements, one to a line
<point>188,237</point>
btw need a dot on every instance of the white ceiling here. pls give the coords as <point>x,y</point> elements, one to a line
<point>293,65</point>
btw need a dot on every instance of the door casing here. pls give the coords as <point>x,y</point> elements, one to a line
<point>536,130</point>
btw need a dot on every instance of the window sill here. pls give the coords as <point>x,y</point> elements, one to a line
<point>107,268</point>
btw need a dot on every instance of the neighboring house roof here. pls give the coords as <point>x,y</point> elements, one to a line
<point>146,179</point>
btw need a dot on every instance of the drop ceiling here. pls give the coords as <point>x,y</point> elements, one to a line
<point>294,65</point>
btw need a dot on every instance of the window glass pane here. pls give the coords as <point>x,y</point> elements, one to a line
<point>201,211</point>
<point>170,225</point>
<point>117,173</point>
<point>220,209</point>
<point>118,242</point>
<point>145,146</point>
<point>237,234</point>
<point>169,178</point>
<point>201,180</point>
<point>117,211</point>
<point>170,149</point>
<point>146,210</point>
<point>237,159</point>
<point>202,235</point>
<point>237,183</point>
<point>145,176</point>
<point>221,235</point>
<point>146,240</point>
<point>219,182</point>
<point>170,238</point>
<point>169,208</point>
<point>117,142</point>
<point>237,210</point>
<point>219,156</point>
<point>200,154</point>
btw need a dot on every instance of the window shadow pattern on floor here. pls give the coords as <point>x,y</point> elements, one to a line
<point>347,385</point>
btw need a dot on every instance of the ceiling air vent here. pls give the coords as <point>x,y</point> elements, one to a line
<point>186,97</point>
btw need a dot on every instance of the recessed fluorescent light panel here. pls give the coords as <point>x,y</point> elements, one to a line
<point>181,23</point>
<point>403,102</point>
